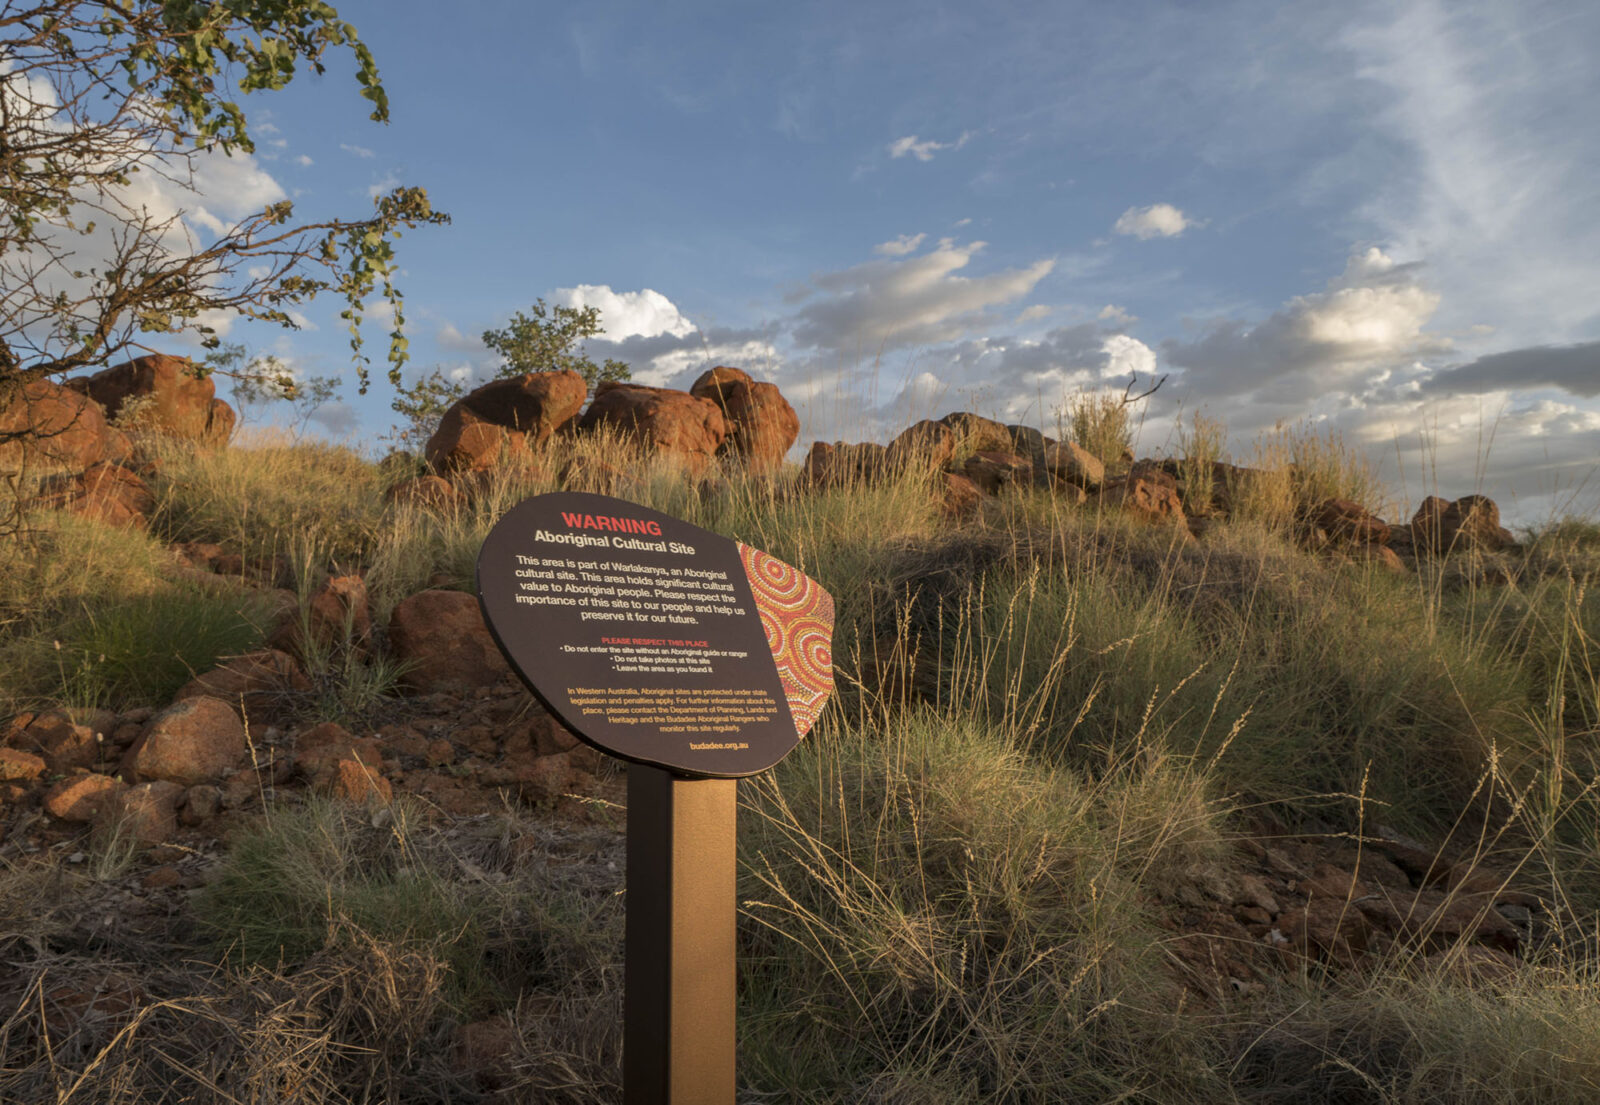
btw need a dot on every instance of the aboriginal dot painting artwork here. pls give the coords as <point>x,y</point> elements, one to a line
<point>797,615</point>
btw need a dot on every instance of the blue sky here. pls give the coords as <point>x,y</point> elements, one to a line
<point>1378,216</point>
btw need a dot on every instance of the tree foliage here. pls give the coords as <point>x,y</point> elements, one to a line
<point>551,340</point>
<point>94,93</point>
<point>546,339</point>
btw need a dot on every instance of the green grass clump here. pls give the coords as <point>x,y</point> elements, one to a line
<point>260,500</point>
<point>1423,1034</point>
<point>94,617</point>
<point>931,916</point>
<point>305,880</point>
<point>1101,423</point>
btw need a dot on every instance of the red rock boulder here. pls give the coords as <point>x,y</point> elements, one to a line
<point>961,498</point>
<point>1073,465</point>
<point>761,424</point>
<point>921,447</point>
<point>44,423</point>
<point>845,465</point>
<point>441,638</point>
<point>1145,497</point>
<point>164,394</point>
<point>258,685</point>
<point>104,492</point>
<point>61,743</point>
<point>505,420</point>
<point>336,616</point>
<point>994,472</point>
<point>663,422</point>
<point>1470,524</point>
<point>975,433</point>
<point>81,798</point>
<point>1349,523</point>
<point>198,740</point>
<point>147,812</point>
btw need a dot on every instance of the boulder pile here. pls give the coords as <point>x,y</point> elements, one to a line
<point>75,432</point>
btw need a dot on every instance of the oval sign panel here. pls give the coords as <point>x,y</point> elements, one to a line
<point>653,639</point>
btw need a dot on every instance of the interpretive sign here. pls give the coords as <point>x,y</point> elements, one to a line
<point>700,660</point>
<point>653,639</point>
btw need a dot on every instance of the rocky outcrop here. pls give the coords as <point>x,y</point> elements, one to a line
<point>62,744</point>
<point>505,420</point>
<point>961,499</point>
<point>663,423</point>
<point>163,394</point>
<point>761,424</point>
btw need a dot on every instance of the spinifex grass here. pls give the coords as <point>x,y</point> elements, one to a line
<point>94,617</point>
<point>931,916</point>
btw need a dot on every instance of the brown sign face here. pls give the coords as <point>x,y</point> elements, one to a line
<point>653,639</point>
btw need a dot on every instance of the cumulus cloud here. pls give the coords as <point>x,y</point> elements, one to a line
<point>644,313</point>
<point>1159,220</point>
<point>890,303</point>
<point>450,337</point>
<point>1370,319</point>
<point>900,246</point>
<point>923,150</point>
<point>304,161</point>
<point>358,151</point>
<point>1571,368</point>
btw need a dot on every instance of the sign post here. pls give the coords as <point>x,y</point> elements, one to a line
<point>699,660</point>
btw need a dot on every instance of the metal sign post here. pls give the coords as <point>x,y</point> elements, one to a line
<point>678,1023</point>
<point>700,661</point>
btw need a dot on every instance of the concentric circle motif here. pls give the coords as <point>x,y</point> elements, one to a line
<point>797,615</point>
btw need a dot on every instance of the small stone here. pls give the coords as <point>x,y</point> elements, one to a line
<point>80,798</point>
<point>16,764</point>
<point>161,878</point>
<point>148,812</point>
<point>200,804</point>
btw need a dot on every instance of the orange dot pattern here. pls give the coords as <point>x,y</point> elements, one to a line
<point>797,615</point>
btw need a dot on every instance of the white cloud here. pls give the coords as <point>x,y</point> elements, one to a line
<point>923,150</point>
<point>1489,112</point>
<point>304,161</point>
<point>1159,220</point>
<point>1117,316</point>
<point>1037,311</point>
<point>1371,319</point>
<point>449,337</point>
<point>386,183</point>
<point>644,313</point>
<point>885,304</point>
<point>1127,356</point>
<point>358,151</point>
<point>900,246</point>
